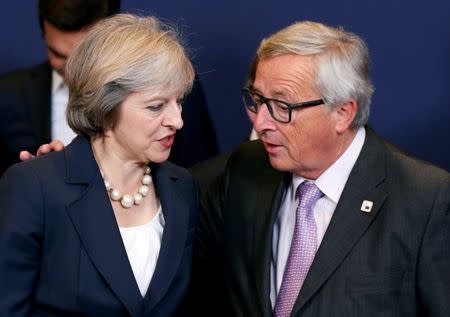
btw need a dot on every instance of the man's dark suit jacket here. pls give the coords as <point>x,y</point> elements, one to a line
<point>61,249</point>
<point>392,261</point>
<point>26,117</point>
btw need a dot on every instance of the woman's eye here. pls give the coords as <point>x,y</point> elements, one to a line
<point>155,107</point>
<point>180,102</point>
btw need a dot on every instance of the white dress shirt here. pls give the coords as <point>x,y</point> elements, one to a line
<point>331,183</point>
<point>142,244</point>
<point>60,95</point>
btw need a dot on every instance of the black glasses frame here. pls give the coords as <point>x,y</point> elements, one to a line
<point>266,101</point>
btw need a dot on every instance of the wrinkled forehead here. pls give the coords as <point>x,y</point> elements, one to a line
<point>286,74</point>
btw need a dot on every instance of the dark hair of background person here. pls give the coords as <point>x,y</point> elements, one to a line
<point>76,14</point>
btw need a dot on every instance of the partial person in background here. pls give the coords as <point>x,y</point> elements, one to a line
<point>321,216</point>
<point>105,227</point>
<point>34,100</point>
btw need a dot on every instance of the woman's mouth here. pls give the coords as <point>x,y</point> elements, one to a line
<point>167,142</point>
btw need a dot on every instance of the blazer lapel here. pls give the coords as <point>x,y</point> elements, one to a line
<point>38,96</point>
<point>176,213</point>
<point>94,220</point>
<point>348,223</point>
<point>272,185</point>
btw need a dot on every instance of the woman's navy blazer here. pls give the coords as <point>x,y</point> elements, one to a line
<point>61,252</point>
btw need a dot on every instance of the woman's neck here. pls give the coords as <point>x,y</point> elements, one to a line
<point>120,170</point>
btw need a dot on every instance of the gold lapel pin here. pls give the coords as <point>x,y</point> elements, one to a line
<point>366,206</point>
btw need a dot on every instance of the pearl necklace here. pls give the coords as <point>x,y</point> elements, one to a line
<point>128,200</point>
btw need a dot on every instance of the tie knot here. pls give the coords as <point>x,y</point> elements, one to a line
<point>308,193</point>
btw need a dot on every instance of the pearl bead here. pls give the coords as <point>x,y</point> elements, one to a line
<point>146,180</point>
<point>115,194</point>
<point>127,201</point>
<point>143,190</point>
<point>138,198</point>
<point>108,185</point>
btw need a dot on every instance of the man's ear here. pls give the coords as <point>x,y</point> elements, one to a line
<point>345,114</point>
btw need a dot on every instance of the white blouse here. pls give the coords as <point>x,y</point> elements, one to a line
<point>142,244</point>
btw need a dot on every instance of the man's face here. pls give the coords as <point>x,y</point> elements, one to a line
<point>60,44</point>
<point>308,144</point>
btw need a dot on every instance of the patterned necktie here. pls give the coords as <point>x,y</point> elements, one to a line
<point>303,249</point>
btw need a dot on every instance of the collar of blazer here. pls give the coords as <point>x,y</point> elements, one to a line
<point>81,166</point>
<point>93,218</point>
<point>349,223</point>
<point>345,229</point>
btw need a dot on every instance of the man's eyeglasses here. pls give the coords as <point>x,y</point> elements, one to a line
<point>280,110</point>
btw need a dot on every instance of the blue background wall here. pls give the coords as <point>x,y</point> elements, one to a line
<point>409,41</point>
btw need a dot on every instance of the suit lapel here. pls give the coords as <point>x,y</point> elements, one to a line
<point>272,185</point>
<point>94,220</point>
<point>38,97</point>
<point>348,223</point>
<point>176,214</point>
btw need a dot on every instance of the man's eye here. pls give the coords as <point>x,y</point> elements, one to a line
<point>257,100</point>
<point>281,106</point>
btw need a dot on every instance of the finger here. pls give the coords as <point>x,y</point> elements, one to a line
<point>25,155</point>
<point>43,149</point>
<point>56,145</point>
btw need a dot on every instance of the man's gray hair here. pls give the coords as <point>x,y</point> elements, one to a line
<point>341,62</point>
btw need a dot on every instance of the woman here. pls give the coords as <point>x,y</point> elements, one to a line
<point>105,228</point>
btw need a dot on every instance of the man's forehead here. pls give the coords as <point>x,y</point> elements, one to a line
<point>284,75</point>
<point>287,62</point>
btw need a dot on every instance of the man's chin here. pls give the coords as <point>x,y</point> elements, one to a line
<point>278,162</point>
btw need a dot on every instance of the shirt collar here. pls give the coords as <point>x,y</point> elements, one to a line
<point>57,81</point>
<point>333,180</point>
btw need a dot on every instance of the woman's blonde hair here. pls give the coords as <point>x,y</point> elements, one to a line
<point>121,55</point>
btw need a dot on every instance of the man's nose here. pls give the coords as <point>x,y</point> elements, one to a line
<point>263,119</point>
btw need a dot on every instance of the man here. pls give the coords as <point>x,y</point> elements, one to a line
<point>34,100</point>
<point>321,217</point>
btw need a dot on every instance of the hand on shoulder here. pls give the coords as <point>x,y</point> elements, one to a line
<point>53,146</point>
